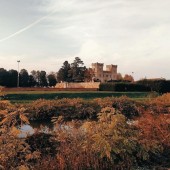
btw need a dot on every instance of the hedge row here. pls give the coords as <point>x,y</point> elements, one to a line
<point>123,87</point>
<point>160,86</point>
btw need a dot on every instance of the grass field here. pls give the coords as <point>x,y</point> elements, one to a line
<point>28,96</point>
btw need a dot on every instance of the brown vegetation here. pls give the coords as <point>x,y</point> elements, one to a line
<point>124,135</point>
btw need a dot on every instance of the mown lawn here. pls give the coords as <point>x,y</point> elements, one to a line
<point>28,96</point>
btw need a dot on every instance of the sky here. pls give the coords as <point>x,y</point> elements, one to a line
<point>42,34</point>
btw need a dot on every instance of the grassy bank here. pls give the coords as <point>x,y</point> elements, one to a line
<point>28,96</point>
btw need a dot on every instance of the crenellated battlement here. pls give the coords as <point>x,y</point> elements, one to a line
<point>104,75</point>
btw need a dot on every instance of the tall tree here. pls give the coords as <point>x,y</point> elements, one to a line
<point>3,77</point>
<point>43,79</point>
<point>77,62</point>
<point>64,72</point>
<point>52,79</point>
<point>88,75</point>
<point>31,81</point>
<point>36,76</point>
<point>24,77</point>
<point>13,76</point>
<point>78,70</point>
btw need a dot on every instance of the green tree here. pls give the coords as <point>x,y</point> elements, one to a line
<point>74,72</point>
<point>78,70</point>
<point>43,79</point>
<point>51,79</point>
<point>64,72</point>
<point>36,76</point>
<point>31,81</point>
<point>3,77</point>
<point>12,75</point>
<point>24,78</point>
<point>88,75</point>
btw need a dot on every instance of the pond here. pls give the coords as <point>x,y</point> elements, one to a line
<point>45,126</point>
<point>36,126</point>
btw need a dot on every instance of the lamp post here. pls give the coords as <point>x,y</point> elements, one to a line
<point>133,76</point>
<point>18,74</point>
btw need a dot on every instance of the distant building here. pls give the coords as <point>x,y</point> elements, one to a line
<point>104,75</point>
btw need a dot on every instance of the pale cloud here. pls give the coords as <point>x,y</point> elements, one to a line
<point>26,28</point>
<point>134,34</point>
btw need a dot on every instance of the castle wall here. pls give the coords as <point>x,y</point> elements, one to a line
<point>102,75</point>
<point>88,85</point>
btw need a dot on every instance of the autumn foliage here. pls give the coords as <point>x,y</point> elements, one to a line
<point>109,133</point>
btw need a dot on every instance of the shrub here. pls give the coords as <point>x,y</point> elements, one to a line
<point>5,104</point>
<point>12,149</point>
<point>123,87</point>
<point>41,109</point>
<point>154,135</point>
<point>160,86</point>
<point>68,108</point>
<point>126,107</point>
<point>159,105</point>
<point>44,143</point>
<point>111,141</point>
<point>164,99</point>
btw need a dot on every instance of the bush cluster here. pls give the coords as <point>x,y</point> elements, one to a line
<point>112,141</point>
<point>80,109</point>
<point>160,86</point>
<point>123,87</point>
<point>71,109</point>
<point>68,108</point>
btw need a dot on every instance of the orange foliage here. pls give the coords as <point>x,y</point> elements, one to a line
<point>110,141</point>
<point>155,128</point>
<point>164,99</point>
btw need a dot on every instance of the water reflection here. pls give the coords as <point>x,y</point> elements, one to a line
<point>26,130</point>
<point>36,126</point>
<point>46,127</point>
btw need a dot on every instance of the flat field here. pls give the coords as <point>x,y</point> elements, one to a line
<point>25,96</point>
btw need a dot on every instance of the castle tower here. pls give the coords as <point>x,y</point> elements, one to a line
<point>98,70</point>
<point>104,75</point>
<point>113,70</point>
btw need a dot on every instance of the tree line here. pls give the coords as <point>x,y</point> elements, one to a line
<point>69,72</point>
<point>74,72</point>
<point>35,78</point>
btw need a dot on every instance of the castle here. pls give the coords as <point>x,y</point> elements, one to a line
<point>98,75</point>
<point>104,75</point>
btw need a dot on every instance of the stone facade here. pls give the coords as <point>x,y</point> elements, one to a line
<point>104,75</point>
<point>87,85</point>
